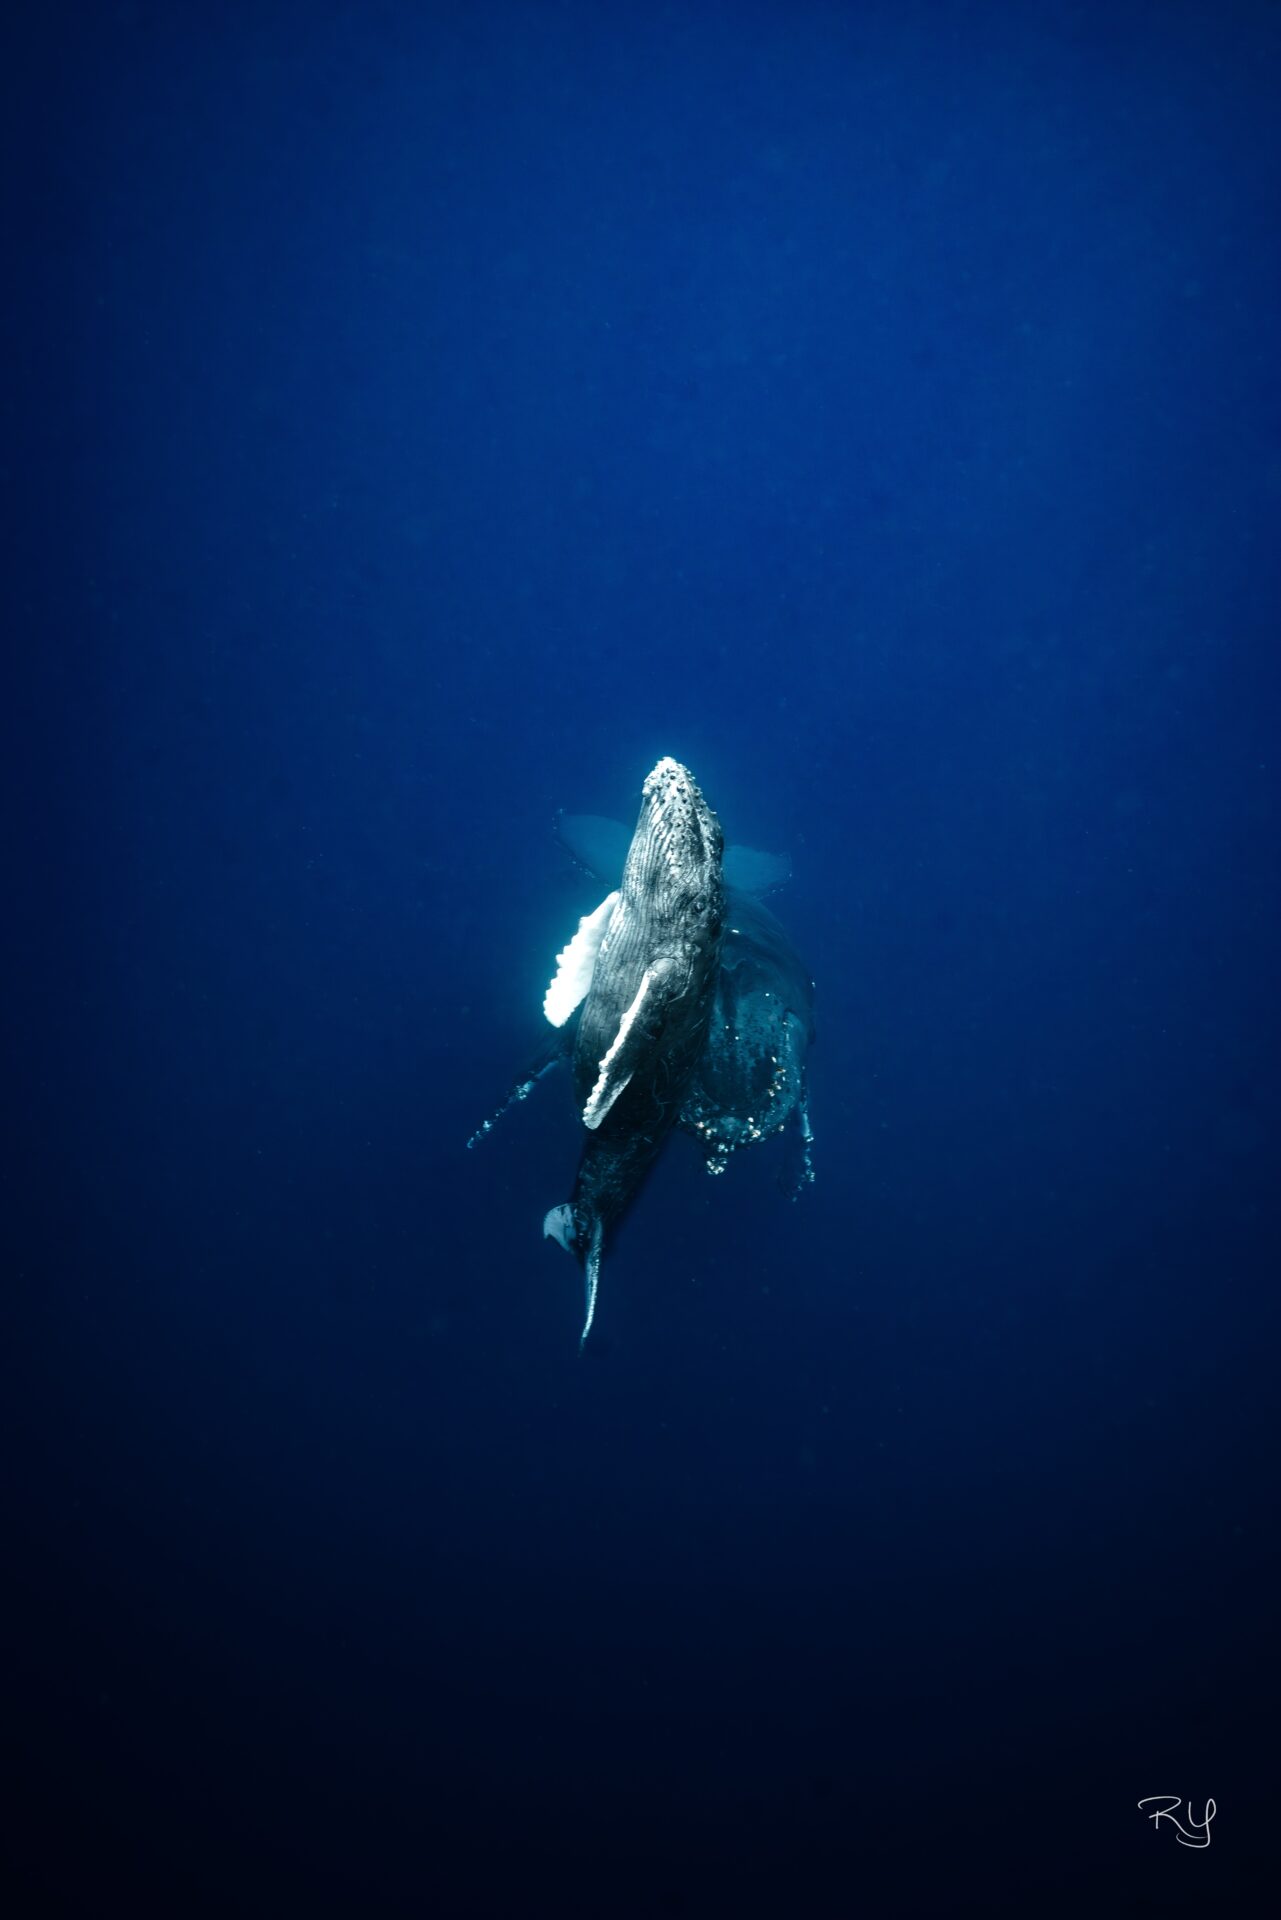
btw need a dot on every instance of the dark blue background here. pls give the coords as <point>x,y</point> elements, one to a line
<point>418,420</point>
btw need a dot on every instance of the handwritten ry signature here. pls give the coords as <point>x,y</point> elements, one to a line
<point>1200,1838</point>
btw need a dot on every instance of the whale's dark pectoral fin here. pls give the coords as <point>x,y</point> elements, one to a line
<point>797,1171</point>
<point>556,1047</point>
<point>598,845</point>
<point>753,872</point>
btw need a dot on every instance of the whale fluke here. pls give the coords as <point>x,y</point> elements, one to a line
<point>561,1225</point>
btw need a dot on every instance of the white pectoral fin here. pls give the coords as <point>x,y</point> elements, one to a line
<point>618,1064</point>
<point>603,1099</point>
<point>576,963</point>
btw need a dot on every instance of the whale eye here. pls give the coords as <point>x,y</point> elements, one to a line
<point>700,904</point>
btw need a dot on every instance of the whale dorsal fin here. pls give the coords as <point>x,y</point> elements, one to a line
<point>576,962</point>
<point>619,1062</point>
<point>601,846</point>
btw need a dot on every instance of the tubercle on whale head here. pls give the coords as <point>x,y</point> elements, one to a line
<point>675,859</point>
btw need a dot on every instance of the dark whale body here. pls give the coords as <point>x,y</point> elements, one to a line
<point>680,1002</point>
<point>750,1083</point>
<point>643,1025</point>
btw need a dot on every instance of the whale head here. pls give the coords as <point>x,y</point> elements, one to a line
<point>673,872</point>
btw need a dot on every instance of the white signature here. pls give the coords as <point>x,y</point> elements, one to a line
<point>1200,1837</point>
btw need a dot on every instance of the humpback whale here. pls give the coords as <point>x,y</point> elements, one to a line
<point>750,1082</point>
<point>645,965</point>
<point>678,1002</point>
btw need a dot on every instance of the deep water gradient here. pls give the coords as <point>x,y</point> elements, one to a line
<point>417,420</point>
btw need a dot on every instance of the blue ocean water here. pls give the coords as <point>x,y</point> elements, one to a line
<point>419,420</point>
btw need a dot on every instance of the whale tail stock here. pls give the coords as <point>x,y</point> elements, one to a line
<point>581,1231</point>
